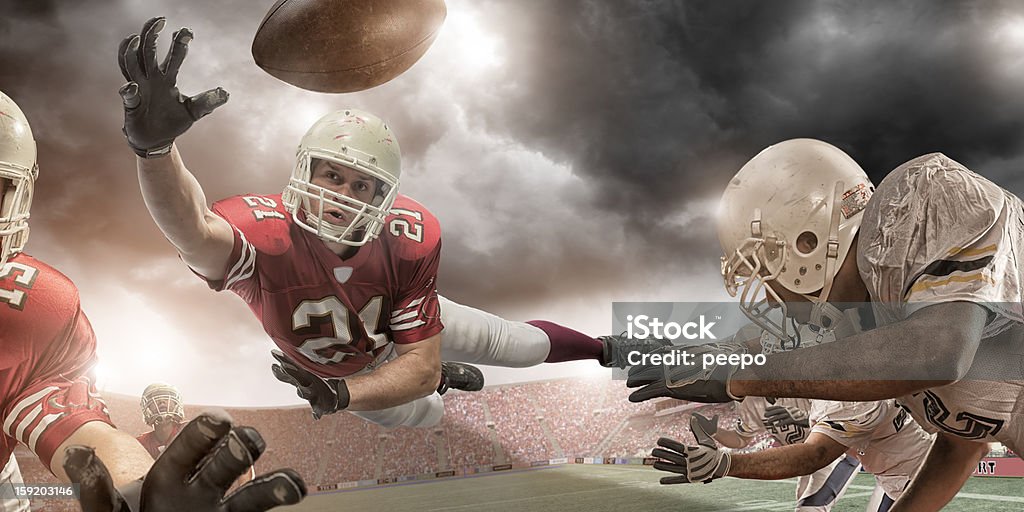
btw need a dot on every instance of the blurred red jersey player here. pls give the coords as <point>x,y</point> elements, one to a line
<point>48,398</point>
<point>162,409</point>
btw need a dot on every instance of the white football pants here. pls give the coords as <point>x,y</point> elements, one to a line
<point>818,491</point>
<point>470,336</point>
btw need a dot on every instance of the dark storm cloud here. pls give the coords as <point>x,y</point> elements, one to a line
<point>661,101</point>
<point>585,166</point>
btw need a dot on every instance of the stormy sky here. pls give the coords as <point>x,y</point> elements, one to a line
<point>573,150</point>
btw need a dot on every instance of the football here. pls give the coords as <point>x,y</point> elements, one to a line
<point>345,45</point>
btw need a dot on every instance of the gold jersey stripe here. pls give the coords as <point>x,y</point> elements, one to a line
<point>961,251</point>
<point>923,283</point>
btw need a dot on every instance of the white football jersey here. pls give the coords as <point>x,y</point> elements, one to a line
<point>751,419</point>
<point>886,440</point>
<point>936,232</point>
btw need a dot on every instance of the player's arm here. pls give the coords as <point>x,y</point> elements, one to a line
<point>705,462</point>
<point>195,473</point>
<point>935,346</point>
<point>125,458</point>
<point>415,373</point>
<point>799,459</point>
<point>950,462</point>
<point>155,114</point>
<point>178,205</point>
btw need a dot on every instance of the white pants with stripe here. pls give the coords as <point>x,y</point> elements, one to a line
<point>819,491</point>
<point>470,336</point>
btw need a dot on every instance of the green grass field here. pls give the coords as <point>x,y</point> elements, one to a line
<point>591,488</point>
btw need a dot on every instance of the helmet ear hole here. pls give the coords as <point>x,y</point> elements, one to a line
<point>807,242</point>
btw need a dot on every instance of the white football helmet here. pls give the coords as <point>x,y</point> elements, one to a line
<point>161,402</point>
<point>790,216</point>
<point>358,140</point>
<point>18,172</point>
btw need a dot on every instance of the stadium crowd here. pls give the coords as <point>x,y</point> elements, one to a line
<point>499,425</point>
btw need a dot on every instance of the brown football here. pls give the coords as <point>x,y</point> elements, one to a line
<point>345,45</point>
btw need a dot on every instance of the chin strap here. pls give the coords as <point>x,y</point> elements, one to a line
<point>822,309</point>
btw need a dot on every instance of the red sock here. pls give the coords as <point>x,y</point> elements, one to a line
<point>567,344</point>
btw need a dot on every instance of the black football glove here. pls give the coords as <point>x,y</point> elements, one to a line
<point>685,381</point>
<point>325,396</point>
<point>155,113</point>
<point>702,463</point>
<point>192,474</point>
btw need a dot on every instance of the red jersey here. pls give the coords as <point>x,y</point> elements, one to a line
<point>48,353</point>
<point>332,316</point>
<point>153,445</point>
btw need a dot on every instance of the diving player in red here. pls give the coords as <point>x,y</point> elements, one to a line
<point>163,410</point>
<point>48,397</point>
<point>340,269</point>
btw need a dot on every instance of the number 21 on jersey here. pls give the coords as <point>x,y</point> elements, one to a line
<point>412,230</point>
<point>327,350</point>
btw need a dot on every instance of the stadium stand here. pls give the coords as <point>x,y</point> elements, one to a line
<point>512,424</point>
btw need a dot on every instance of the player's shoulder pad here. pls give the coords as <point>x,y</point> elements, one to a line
<point>261,219</point>
<point>45,281</point>
<point>957,204</point>
<point>39,302</point>
<point>411,230</point>
<point>937,180</point>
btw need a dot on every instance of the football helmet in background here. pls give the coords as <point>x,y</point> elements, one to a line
<point>18,172</point>
<point>161,402</point>
<point>790,215</point>
<point>358,140</point>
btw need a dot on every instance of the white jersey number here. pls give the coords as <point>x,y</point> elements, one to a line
<point>411,230</point>
<point>339,347</point>
<point>25,278</point>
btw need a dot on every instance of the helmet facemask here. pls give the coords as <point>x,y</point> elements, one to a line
<point>307,201</point>
<point>162,402</point>
<point>15,202</point>
<point>747,274</point>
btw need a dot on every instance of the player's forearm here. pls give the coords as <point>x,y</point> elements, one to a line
<point>124,457</point>
<point>932,348</point>
<point>778,463</point>
<point>949,463</point>
<point>409,376</point>
<point>175,200</point>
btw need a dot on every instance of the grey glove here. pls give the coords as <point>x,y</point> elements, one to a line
<point>708,425</point>
<point>702,463</point>
<point>782,416</point>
